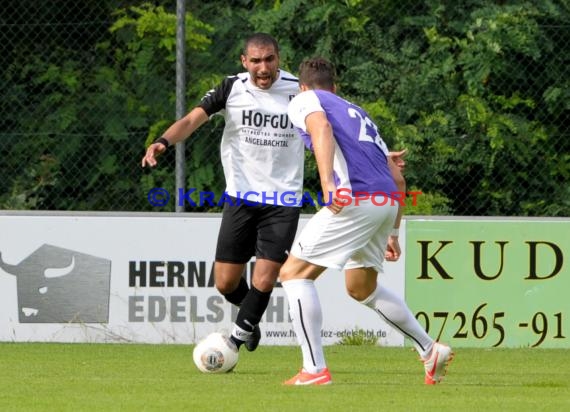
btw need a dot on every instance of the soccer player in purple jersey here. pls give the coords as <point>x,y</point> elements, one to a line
<point>350,155</point>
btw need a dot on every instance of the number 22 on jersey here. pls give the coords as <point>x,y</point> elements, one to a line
<point>365,125</point>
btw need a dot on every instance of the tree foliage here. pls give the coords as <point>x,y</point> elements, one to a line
<point>477,91</point>
<point>460,86</point>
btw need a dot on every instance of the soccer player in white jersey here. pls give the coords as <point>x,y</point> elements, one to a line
<point>352,156</point>
<point>260,153</point>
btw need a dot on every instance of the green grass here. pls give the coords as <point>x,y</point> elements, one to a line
<point>128,377</point>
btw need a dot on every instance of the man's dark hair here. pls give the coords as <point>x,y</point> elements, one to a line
<point>317,73</point>
<point>260,39</point>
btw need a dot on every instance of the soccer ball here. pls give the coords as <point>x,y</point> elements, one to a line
<point>215,354</point>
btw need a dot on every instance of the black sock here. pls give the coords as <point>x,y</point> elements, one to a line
<point>252,308</point>
<point>238,295</point>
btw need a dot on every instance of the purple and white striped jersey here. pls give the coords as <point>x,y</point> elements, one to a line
<point>360,160</point>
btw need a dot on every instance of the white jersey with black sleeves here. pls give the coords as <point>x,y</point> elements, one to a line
<point>261,153</point>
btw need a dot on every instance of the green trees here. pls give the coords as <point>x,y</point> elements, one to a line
<point>477,91</point>
<point>87,112</point>
<point>474,89</point>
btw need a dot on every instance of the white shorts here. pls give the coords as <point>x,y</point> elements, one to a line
<point>354,238</point>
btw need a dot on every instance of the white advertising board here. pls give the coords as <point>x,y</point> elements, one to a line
<point>145,279</point>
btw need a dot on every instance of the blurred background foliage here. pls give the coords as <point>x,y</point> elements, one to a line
<point>477,91</point>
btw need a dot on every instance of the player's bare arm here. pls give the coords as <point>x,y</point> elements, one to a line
<point>320,130</point>
<point>393,251</point>
<point>178,131</point>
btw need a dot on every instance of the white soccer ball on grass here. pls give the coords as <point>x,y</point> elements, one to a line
<point>216,353</point>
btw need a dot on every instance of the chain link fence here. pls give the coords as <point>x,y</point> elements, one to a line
<point>478,93</point>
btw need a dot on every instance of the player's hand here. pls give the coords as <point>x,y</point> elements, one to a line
<point>337,204</point>
<point>398,158</point>
<point>333,202</point>
<point>393,251</point>
<point>152,152</point>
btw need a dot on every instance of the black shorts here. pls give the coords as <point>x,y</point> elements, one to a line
<point>264,231</point>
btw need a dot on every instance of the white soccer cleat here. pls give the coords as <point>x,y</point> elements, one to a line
<point>436,364</point>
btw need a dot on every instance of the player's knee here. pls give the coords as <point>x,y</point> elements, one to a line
<point>358,293</point>
<point>264,283</point>
<point>285,273</point>
<point>226,285</point>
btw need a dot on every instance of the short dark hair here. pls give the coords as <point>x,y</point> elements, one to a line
<point>317,73</point>
<point>260,39</point>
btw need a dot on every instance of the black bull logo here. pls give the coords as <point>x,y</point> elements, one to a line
<point>58,285</point>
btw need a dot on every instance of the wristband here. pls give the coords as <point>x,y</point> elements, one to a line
<point>395,232</point>
<point>162,141</point>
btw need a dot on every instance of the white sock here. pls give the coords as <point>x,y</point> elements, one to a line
<point>396,312</point>
<point>240,334</point>
<point>307,318</point>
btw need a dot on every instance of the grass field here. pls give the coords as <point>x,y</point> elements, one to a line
<point>129,377</point>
